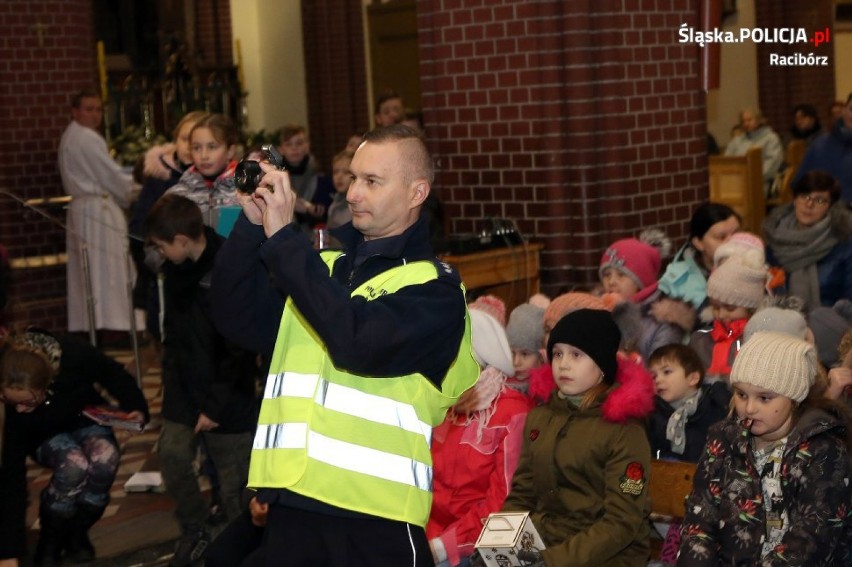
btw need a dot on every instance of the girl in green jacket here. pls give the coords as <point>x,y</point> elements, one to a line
<point>583,468</point>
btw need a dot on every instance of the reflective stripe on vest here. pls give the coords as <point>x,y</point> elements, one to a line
<point>357,443</point>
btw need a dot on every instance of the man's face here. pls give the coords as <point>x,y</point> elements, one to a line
<point>390,112</point>
<point>749,122</point>
<point>803,121</point>
<point>381,202</point>
<point>89,113</point>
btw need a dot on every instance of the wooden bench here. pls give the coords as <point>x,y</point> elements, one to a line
<point>669,485</point>
<point>793,157</point>
<point>737,181</point>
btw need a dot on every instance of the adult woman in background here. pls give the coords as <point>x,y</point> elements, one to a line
<point>810,240</point>
<point>683,286</point>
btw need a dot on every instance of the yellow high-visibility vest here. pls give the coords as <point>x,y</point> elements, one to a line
<point>354,442</point>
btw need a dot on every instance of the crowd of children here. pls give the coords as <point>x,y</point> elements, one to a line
<point>576,397</point>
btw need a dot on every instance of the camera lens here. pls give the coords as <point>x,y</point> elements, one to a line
<point>247,175</point>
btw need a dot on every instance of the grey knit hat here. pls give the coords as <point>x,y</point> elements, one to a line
<point>737,282</point>
<point>778,363</point>
<point>829,325</point>
<point>526,327</point>
<point>777,320</point>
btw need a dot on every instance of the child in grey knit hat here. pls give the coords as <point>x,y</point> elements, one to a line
<point>525,332</point>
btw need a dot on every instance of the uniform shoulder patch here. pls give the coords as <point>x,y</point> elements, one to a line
<point>446,271</point>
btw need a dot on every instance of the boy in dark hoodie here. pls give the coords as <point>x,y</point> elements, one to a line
<point>208,383</point>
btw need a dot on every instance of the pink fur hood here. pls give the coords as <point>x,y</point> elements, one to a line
<point>631,398</point>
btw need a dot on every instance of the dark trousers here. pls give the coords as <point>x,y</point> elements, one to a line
<point>237,545</point>
<point>298,538</point>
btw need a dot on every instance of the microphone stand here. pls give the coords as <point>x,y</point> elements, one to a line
<point>87,280</point>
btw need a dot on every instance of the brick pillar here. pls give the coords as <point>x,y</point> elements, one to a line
<point>782,88</point>
<point>336,75</point>
<point>583,121</point>
<point>48,53</point>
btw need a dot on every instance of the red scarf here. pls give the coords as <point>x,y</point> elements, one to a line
<point>724,335</point>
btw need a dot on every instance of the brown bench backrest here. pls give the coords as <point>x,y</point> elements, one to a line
<point>737,181</point>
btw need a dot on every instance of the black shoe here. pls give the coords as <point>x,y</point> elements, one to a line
<point>191,547</point>
<point>48,552</point>
<point>79,547</point>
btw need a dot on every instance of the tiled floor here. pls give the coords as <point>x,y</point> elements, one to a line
<point>136,521</point>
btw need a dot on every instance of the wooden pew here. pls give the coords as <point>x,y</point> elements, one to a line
<point>737,181</point>
<point>793,157</point>
<point>668,486</point>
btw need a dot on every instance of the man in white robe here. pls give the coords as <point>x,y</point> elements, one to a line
<point>99,191</point>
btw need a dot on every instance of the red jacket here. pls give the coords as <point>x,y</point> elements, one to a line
<point>473,476</point>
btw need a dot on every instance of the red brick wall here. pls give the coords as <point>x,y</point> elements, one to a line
<point>336,74</point>
<point>36,81</point>
<point>782,88</point>
<point>207,14</point>
<point>581,120</point>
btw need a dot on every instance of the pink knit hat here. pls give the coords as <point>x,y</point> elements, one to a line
<point>492,305</point>
<point>738,243</point>
<point>637,260</point>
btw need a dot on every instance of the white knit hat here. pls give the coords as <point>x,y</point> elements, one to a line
<point>488,338</point>
<point>778,363</point>
<point>738,282</point>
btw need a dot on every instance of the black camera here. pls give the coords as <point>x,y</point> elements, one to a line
<point>248,173</point>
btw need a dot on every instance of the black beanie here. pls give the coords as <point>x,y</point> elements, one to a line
<point>594,332</point>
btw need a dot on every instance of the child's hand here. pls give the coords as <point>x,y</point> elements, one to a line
<point>204,423</point>
<point>258,512</point>
<point>135,415</point>
<point>838,380</point>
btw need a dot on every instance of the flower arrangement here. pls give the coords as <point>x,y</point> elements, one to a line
<point>132,144</point>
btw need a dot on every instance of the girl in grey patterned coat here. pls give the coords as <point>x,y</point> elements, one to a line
<point>772,487</point>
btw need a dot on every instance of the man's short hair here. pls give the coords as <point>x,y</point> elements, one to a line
<point>171,215</point>
<point>417,160</point>
<point>289,130</point>
<point>78,97</point>
<point>680,354</point>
